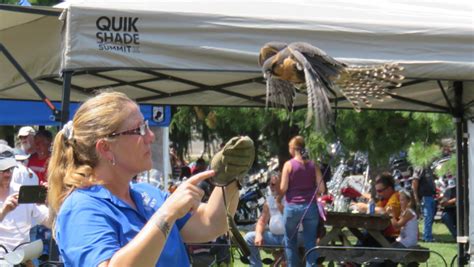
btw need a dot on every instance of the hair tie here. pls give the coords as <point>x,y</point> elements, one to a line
<point>68,130</point>
<point>304,153</point>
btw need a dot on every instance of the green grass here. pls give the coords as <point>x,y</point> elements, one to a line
<point>445,245</point>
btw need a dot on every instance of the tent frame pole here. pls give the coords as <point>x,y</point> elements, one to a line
<point>461,185</point>
<point>22,72</point>
<point>66,97</point>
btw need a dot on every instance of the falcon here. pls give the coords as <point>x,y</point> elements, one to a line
<point>288,68</point>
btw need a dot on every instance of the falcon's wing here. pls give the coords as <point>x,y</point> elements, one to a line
<point>280,92</point>
<point>318,101</point>
<point>319,60</point>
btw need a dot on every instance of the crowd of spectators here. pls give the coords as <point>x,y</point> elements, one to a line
<point>401,205</point>
<point>24,165</point>
<point>27,165</point>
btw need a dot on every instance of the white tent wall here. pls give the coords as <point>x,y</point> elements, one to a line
<point>227,35</point>
<point>213,45</point>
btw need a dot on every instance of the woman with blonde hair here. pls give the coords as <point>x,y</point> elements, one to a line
<point>102,219</point>
<point>301,177</point>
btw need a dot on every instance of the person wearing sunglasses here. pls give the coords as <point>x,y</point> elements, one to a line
<point>388,203</point>
<point>104,220</point>
<point>16,219</point>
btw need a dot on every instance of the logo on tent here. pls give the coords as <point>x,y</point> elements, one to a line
<point>119,34</point>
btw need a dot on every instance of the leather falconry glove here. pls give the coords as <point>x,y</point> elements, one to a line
<point>230,164</point>
<point>233,161</point>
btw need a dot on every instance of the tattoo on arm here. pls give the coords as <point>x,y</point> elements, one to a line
<point>163,225</point>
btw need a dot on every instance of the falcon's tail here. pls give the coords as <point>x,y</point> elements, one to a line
<point>360,83</point>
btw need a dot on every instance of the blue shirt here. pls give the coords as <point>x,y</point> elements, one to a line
<point>93,224</point>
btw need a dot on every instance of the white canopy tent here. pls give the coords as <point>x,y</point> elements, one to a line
<point>205,52</point>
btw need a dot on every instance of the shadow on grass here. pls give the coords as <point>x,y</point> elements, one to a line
<point>443,238</point>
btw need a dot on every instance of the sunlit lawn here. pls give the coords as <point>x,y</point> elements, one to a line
<point>444,245</point>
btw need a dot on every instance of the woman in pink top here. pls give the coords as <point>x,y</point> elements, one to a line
<point>301,178</point>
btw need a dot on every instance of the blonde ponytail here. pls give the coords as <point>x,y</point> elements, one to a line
<point>74,157</point>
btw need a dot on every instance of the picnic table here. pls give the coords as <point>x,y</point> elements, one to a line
<point>373,224</point>
<point>354,222</point>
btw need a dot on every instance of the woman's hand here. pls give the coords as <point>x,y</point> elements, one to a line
<point>187,196</point>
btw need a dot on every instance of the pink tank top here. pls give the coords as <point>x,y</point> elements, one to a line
<point>301,182</point>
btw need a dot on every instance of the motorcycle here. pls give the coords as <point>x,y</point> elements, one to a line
<point>251,201</point>
<point>401,171</point>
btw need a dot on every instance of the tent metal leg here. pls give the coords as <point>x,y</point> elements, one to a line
<point>66,97</point>
<point>461,183</point>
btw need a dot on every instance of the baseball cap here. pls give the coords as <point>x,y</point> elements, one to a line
<point>20,154</point>
<point>26,130</point>
<point>7,158</point>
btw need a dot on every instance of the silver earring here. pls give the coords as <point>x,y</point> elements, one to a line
<point>113,161</point>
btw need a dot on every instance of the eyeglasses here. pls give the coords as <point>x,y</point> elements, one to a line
<point>9,170</point>
<point>381,190</point>
<point>140,130</point>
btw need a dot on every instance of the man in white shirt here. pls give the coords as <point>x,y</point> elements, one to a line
<point>23,175</point>
<point>26,136</point>
<point>271,215</point>
<point>16,219</point>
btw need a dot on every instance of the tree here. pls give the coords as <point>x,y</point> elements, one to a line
<point>380,133</point>
<point>180,129</point>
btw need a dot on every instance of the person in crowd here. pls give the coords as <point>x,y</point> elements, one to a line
<point>389,201</point>
<point>184,173</point>
<point>38,161</point>
<point>175,161</point>
<point>94,159</point>
<point>199,166</point>
<point>424,190</point>
<point>407,222</point>
<point>273,217</point>
<point>16,219</point>
<point>22,174</point>
<point>448,202</point>
<point>26,137</point>
<point>301,183</point>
